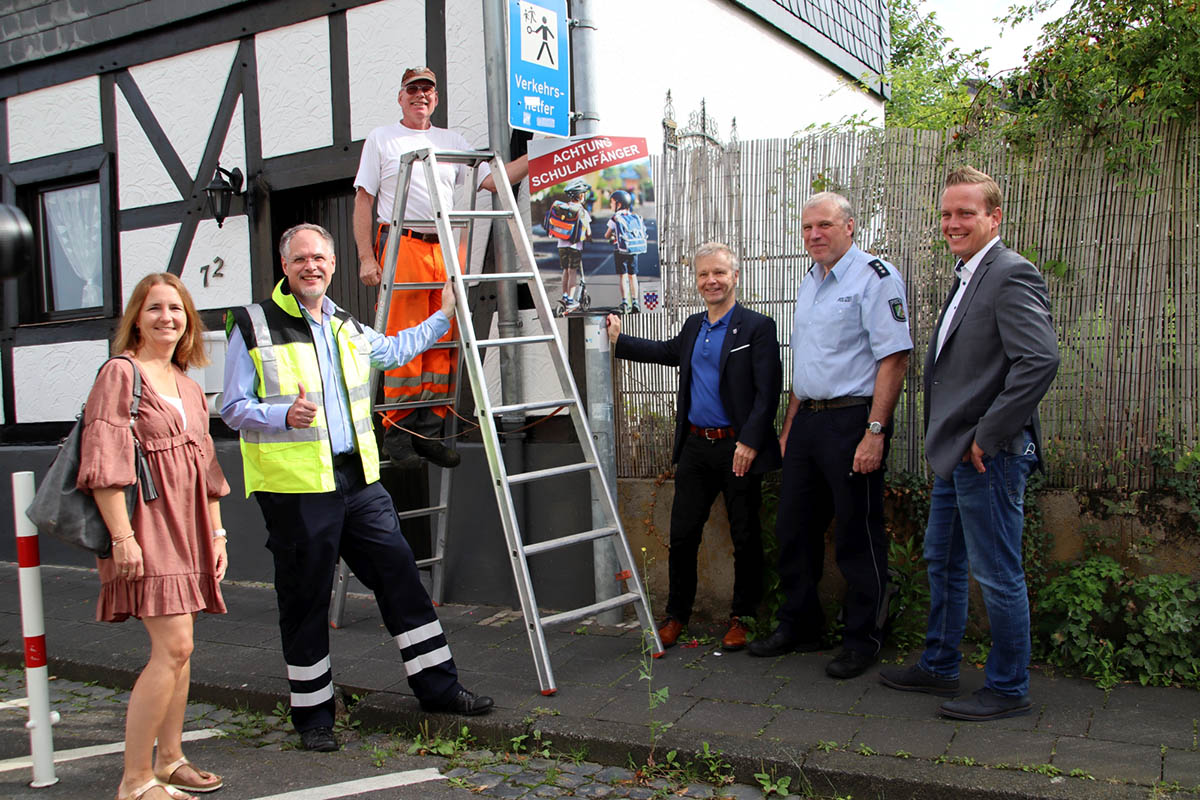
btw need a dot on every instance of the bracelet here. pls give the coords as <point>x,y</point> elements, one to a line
<point>120,539</point>
<point>219,533</point>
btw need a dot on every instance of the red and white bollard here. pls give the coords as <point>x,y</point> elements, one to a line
<point>33,625</point>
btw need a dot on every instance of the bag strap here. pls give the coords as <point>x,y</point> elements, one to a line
<point>145,479</point>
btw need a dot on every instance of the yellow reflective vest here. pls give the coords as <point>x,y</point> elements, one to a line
<point>280,343</point>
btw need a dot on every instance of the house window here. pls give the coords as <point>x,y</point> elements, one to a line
<point>72,261</point>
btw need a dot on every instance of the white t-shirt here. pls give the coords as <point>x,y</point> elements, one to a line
<point>380,165</point>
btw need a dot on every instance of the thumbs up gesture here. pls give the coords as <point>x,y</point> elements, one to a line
<point>302,411</point>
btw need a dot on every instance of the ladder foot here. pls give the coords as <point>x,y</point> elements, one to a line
<point>659,654</point>
<point>548,692</point>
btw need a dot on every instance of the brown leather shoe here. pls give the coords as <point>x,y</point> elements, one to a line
<point>669,632</point>
<point>735,638</point>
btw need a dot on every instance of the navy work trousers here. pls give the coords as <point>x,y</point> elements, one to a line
<point>357,522</point>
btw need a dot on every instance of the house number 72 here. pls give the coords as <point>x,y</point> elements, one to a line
<point>216,273</point>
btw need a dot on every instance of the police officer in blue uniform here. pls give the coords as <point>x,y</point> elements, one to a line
<point>850,347</point>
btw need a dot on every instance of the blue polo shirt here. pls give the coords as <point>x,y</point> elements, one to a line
<point>706,410</point>
<point>844,325</point>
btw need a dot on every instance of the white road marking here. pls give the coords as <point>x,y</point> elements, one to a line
<point>25,762</point>
<point>349,788</point>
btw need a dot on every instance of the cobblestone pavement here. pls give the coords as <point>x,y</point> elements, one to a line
<point>532,767</point>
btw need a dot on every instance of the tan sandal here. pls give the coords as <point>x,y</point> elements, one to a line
<point>153,783</point>
<point>215,781</point>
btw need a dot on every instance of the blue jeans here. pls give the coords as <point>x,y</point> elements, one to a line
<point>977,517</point>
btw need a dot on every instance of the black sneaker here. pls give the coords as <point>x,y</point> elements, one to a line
<point>779,643</point>
<point>985,705</point>
<point>398,444</point>
<point>464,702</point>
<point>915,679</point>
<point>849,664</point>
<point>435,452</point>
<point>321,740</point>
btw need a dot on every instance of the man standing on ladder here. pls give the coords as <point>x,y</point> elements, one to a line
<point>419,260</point>
<point>297,378</point>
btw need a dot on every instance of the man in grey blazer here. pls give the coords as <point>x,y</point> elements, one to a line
<point>991,358</point>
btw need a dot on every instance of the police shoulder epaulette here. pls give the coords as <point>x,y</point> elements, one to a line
<point>880,269</point>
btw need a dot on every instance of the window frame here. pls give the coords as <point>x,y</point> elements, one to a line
<point>30,180</point>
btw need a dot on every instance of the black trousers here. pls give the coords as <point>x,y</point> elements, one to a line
<point>819,485</point>
<point>307,533</point>
<point>705,469</point>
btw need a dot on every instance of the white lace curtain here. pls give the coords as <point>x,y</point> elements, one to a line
<point>73,217</point>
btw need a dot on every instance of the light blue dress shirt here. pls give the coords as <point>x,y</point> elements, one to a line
<point>242,410</point>
<point>844,325</point>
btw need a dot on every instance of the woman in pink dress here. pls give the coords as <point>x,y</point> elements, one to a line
<point>169,554</point>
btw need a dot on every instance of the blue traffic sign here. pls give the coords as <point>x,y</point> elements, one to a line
<point>539,67</point>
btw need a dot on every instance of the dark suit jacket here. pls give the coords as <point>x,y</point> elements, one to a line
<point>751,378</point>
<point>1000,357</point>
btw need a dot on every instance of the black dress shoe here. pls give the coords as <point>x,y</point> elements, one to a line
<point>985,705</point>
<point>849,664</point>
<point>463,702</point>
<point>435,452</point>
<point>320,739</point>
<point>915,679</point>
<point>398,445</point>
<point>779,643</point>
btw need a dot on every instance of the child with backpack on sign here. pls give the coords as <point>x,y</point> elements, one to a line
<point>627,232</point>
<point>569,222</point>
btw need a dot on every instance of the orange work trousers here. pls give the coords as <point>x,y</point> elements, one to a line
<point>428,375</point>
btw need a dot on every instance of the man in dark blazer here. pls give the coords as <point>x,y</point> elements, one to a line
<point>729,385</point>
<point>991,358</point>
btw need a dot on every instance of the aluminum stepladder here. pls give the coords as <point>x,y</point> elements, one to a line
<point>487,412</point>
<point>438,512</point>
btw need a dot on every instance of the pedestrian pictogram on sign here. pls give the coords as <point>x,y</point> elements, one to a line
<point>537,35</point>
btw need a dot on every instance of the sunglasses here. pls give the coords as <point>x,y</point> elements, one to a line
<point>420,88</point>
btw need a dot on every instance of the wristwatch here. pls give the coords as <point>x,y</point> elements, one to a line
<point>875,427</point>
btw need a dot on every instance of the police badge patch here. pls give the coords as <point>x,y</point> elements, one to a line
<point>897,306</point>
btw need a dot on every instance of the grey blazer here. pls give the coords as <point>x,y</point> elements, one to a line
<point>999,358</point>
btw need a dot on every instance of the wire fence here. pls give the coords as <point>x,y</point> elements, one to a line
<point>1121,257</point>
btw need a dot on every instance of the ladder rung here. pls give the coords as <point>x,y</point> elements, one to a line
<point>539,474</point>
<point>594,608</point>
<point>564,401</point>
<point>492,277</point>
<point>419,512</point>
<point>428,562</point>
<point>567,541</point>
<point>544,337</point>
<point>453,344</point>
<point>460,216</point>
<point>437,401</point>
<point>414,287</point>
<point>452,156</point>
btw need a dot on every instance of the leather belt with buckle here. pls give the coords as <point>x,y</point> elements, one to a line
<point>711,433</point>
<point>432,238</point>
<point>833,402</point>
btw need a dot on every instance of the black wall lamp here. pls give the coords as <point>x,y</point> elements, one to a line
<point>220,192</point>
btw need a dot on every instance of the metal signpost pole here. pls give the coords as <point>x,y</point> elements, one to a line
<point>598,364</point>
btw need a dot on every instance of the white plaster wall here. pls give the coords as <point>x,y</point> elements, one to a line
<point>233,153</point>
<point>56,119</point>
<point>142,252</point>
<point>142,180</point>
<point>51,381</point>
<point>183,92</point>
<point>293,86</point>
<point>465,71</point>
<point>384,38</point>
<point>149,250</point>
<point>742,67</point>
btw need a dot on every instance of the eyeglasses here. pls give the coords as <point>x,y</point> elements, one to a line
<point>420,88</point>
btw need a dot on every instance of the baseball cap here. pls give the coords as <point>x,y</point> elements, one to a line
<point>414,74</point>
